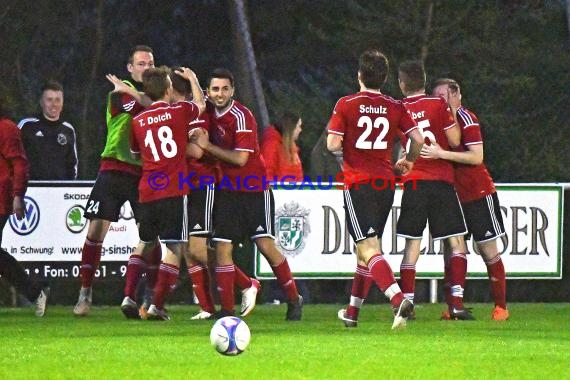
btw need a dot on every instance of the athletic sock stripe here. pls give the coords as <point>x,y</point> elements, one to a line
<point>460,255</point>
<point>196,268</point>
<point>374,260</point>
<point>494,260</point>
<point>136,260</point>
<point>168,268</point>
<point>93,242</point>
<point>225,268</point>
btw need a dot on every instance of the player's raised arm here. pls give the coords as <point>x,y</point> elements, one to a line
<point>122,87</point>
<point>197,93</point>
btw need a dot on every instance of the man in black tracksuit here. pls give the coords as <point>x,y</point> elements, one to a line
<point>50,142</point>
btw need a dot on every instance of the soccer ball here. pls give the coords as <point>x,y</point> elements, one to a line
<point>230,336</point>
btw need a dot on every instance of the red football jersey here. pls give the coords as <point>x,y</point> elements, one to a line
<point>160,135</point>
<point>206,170</point>
<point>368,122</point>
<point>433,116</point>
<point>14,171</point>
<point>236,129</point>
<point>471,181</point>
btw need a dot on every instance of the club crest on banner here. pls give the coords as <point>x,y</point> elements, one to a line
<point>292,227</point>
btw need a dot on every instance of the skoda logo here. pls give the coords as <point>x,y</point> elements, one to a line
<point>74,220</point>
<point>31,218</point>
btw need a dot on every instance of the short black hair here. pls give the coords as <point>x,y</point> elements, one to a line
<point>52,85</point>
<point>373,68</point>
<point>138,48</point>
<point>181,85</point>
<point>413,75</point>
<point>221,73</point>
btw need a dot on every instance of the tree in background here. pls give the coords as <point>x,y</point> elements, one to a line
<point>511,57</point>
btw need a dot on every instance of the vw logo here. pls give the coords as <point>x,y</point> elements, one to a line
<point>31,218</point>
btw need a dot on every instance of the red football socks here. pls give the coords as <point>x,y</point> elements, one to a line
<point>361,284</point>
<point>225,277</point>
<point>167,276</point>
<point>497,276</point>
<point>457,274</point>
<point>90,258</point>
<point>384,278</point>
<point>242,280</point>
<point>408,280</point>
<point>135,269</point>
<point>152,264</point>
<point>285,279</point>
<point>200,278</point>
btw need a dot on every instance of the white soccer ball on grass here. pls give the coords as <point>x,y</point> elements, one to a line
<point>230,336</point>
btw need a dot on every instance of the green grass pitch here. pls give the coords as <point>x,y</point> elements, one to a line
<point>533,344</point>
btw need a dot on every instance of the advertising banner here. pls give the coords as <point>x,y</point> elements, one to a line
<point>312,232</point>
<point>49,240</point>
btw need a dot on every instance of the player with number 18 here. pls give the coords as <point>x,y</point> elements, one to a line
<point>159,135</point>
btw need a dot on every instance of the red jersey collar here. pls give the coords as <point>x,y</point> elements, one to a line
<point>413,97</point>
<point>158,104</point>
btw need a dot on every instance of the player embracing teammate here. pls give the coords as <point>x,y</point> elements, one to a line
<point>234,131</point>
<point>117,183</point>
<point>476,192</point>
<point>432,190</point>
<point>432,198</point>
<point>364,126</point>
<point>160,136</point>
<point>242,210</point>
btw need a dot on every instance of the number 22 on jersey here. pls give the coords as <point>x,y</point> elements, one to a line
<point>369,124</point>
